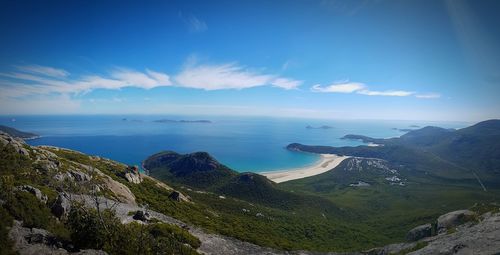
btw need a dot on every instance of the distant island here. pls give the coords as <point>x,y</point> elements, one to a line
<point>320,127</point>
<point>364,139</point>
<point>182,121</point>
<point>17,133</point>
<point>403,129</point>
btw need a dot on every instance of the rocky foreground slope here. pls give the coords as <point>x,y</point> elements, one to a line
<point>55,201</point>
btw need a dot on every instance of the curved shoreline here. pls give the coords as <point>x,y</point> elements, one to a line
<point>326,163</point>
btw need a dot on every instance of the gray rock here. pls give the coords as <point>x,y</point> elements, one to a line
<point>62,206</point>
<point>481,238</point>
<point>63,176</point>
<point>419,232</point>
<point>80,176</point>
<point>17,144</point>
<point>27,188</point>
<point>179,197</point>
<point>39,241</point>
<point>453,219</point>
<point>142,216</point>
<point>48,165</point>
<point>132,175</point>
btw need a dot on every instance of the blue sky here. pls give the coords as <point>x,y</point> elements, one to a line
<point>421,60</point>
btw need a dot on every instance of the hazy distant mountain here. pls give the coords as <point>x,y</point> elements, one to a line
<point>443,152</point>
<point>17,133</point>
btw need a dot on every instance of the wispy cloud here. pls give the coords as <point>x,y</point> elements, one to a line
<point>339,87</point>
<point>43,82</point>
<point>392,93</point>
<point>228,76</point>
<point>286,83</point>
<point>43,70</point>
<point>224,76</point>
<point>428,96</point>
<point>19,82</point>
<point>194,24</point>
<point>362,89</point>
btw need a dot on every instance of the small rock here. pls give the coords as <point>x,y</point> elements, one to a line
<point>179,197</point>
<point>27,188</point>
<point>142,216</point>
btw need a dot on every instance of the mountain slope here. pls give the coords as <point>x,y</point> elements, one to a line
<point>200,170</point>
<point>34,178</point>
<point>17,133</point>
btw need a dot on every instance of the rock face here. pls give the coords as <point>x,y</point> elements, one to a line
<point>179,197</point>
<point>473,237</point>
<point>62,206</point>
<point>36,241</point>
<point>17,143</point>
<point>482,238</point>
<point>132,175</point>
<point>453,219</point>
<point>34,191</point>
<point>121,191</point>
<point>80,176</point>
<point>419,232</point>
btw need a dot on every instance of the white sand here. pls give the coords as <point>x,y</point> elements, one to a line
<point>326,163</point>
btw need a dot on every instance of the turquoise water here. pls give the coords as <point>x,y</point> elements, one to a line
<point>244,144</point>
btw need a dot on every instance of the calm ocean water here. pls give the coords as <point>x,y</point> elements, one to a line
<point>244,144</point>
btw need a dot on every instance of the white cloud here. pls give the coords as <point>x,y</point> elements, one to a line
<point>339,87</point>
<point>43,70</point>
<point>286,83</point>
<point>392,93</point>
<point>228,76</point>
<point>428,96</point>
<point>18,84</point>
<point>207,77</point>
<point>362,89</point>
<point>147,80</point>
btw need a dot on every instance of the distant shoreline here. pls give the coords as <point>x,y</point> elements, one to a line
<point>326,163</point>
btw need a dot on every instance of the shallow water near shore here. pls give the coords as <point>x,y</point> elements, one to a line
<point>254,144</point>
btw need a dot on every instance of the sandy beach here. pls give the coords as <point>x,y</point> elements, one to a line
<point>327,162</point>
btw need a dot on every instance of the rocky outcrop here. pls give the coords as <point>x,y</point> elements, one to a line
<point>419,232</point>
<point>34,241</point>
<point>17,143</point>
<point>142,216</point>
<point>179,197</point>
<point>481,238</point>
<point>80,176</point>
<point>36,192</point>
<point>61,206</point>
<point>122,192</point>
<point>453,219</point>
<point>467,237</point>
<point>133,175</point>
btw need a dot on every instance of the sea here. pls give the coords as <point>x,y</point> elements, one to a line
<point>245,144</point>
